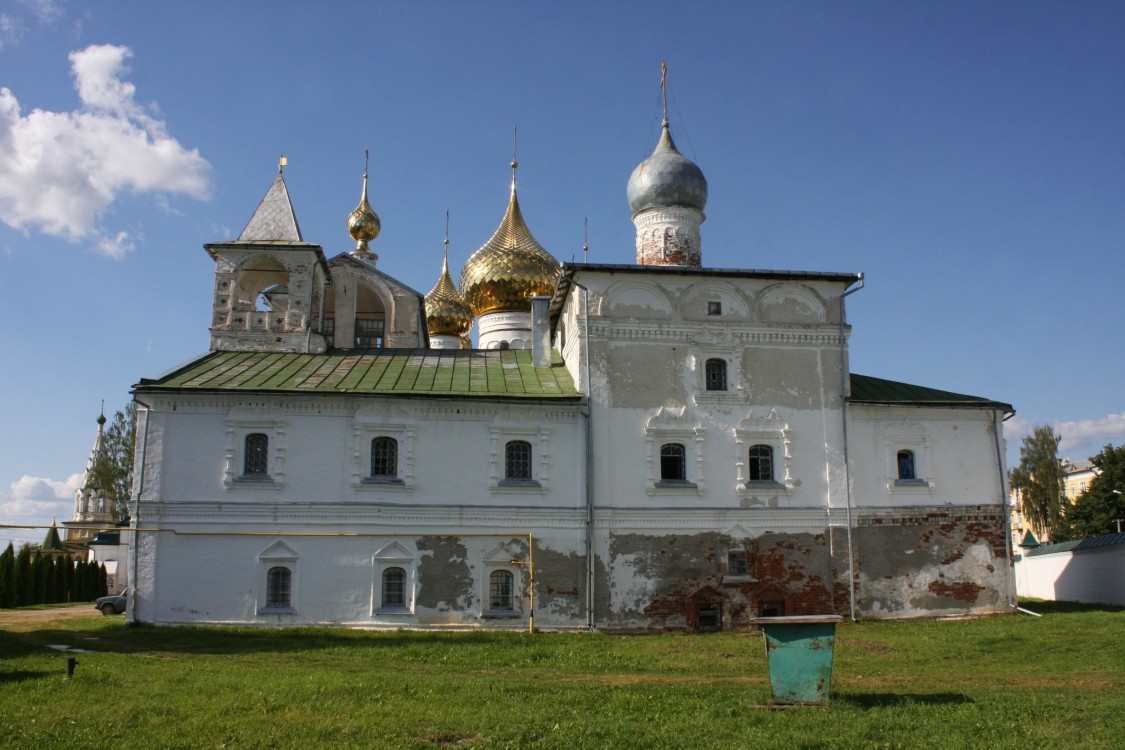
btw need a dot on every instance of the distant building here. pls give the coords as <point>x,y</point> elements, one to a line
<point>93,510</point>
<point>1077,477</point>
<point>642,446</point>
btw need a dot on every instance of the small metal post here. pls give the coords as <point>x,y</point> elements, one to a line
<point>71,663</point>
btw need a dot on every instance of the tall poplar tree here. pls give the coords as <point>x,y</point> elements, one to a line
<point>1039,480</point>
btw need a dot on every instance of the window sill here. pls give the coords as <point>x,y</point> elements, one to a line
<point>911,483</point>
<point>254,481</point>
<point>393,611</point>
<point>675,484</point>
<point>739,579</point>
<point>749,489</point>
<point>518,483</point>
<point>381,484</point>
<point>277,611</point>
<point>499,613</point>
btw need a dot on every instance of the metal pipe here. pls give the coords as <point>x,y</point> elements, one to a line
<point>131,615</point>
<point>589,467</point>
<point>997,428</point>
<point>845,391</point>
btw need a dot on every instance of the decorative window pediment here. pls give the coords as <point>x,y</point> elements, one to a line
<point>393,583</point>
<point>764,441</point>
<point>667,432</point>
<point>382,442</point>
<point>278,580</point>
<point>255,449</point>
<point>519,457</point>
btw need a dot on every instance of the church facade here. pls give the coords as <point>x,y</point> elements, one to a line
<point>630,447</point>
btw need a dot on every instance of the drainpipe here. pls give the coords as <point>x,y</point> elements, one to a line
<point>137,508</point>
<point>845,393</point>
<point>589,467</point>
<point>998,426</point>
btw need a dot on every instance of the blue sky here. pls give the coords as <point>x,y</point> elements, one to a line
<point>969,158</point>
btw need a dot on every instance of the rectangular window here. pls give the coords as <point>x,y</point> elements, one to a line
<point>715,371</point>
<point>500,590</point>
<point>714,307</point>
<point>736,563</point>
<point>673,467</point>
<point>369,333</point>
<point>257,455</point>
<point>517,460</point>
<point>761,463</point>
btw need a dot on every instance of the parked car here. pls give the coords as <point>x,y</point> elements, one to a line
<point>111,605</point>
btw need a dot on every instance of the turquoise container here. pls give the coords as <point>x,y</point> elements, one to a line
<point>799,654</point>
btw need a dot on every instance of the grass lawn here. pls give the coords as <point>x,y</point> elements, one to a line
<point>1003,682</point>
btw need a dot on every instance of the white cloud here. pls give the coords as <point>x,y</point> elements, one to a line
<point>1077,439</point>
<point>1097,432</point>
<point>60,171</point>
<point>37,499</point>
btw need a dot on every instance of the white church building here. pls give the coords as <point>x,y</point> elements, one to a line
<point>631,447</point>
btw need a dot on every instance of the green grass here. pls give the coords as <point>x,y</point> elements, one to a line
<point>1004,682</point>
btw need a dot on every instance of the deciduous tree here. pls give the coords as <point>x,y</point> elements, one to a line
<point>1096,509</point>
<point>1039,480</point>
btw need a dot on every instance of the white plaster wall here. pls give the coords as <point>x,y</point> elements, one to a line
<point>1095,576</point>
<point>955,453</point>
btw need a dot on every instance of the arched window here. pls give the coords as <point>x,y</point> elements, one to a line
<point>279,587</point>
<point>761,463</point>
<point>673,466</point>
<point>500,590</point>
<point>715,374</point>
<point>384,458</point>
<point>906,465</point>
<point>517,460</point>
<point>257,454</point>
<point>394,588</point>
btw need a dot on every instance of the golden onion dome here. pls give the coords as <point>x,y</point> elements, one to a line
<point>363,224</point>
<point>509,268</point>
<point>446,311</point>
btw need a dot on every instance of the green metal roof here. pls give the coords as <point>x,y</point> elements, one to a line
<point>1078,545</point>
<point>869,390</point>
<point>492,373</point>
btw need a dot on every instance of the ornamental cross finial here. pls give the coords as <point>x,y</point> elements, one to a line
<point>664,87</point>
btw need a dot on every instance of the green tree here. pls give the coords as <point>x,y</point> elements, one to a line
<point>25,582</point>
<point>1039,480</point>
<point>1094,512</point>
<point>8,577</point>
<point>113,470</point>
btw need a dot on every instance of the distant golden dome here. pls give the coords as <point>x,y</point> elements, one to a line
<point>509,268</point>
<point>446,311</point>
<point>363,224</point>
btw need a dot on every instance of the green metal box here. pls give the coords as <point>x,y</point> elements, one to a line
<point>799,654</point>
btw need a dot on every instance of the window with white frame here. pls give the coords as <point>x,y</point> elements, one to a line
<point>717,371</point>
<point>519,458</point>
<point>674,438</point>
<point>277,579</point>
<point>382,452</point>
<point>255,448</point>
<point>907,455</point>
<point>501,597</point>
<point>393,592</point>
<point>765,458</point>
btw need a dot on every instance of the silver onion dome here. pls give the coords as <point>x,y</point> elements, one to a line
<point>667,178</point>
